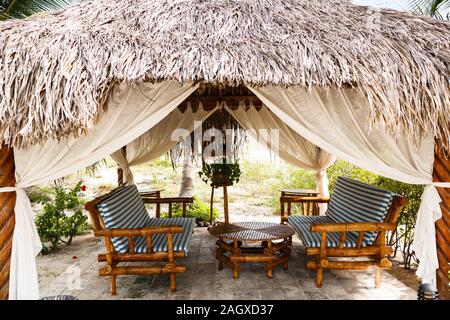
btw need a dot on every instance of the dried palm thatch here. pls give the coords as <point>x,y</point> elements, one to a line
<point>56,70</point>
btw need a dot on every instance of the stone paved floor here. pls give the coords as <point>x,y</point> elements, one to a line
<point>58,275</point>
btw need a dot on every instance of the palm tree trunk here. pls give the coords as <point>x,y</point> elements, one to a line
<point>187,178</point>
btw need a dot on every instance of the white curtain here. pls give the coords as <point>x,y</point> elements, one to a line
<point>338,122</point>
<point>121,158</point>
<point>292,147</point>
<point>159,139</point>
<point>132,110</point>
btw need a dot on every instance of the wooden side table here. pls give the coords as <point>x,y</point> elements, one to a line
<point>308,208</point>
<point>153,193</point>
<point>232,250</point>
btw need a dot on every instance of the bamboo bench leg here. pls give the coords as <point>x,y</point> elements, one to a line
<point>173,282</point>
<point>171,262</point>
<point>377,277</point>
<point>269,252</point>
<point>112,281</point>
<point>319,277</point>
<point>236,270</point>
<point>322,261</point>
<point>235,265</point>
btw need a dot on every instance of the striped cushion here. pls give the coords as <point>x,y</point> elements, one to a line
<point>309,219</point>
<point>301,225</point>
<point>123,209</point>
<point>159,241</point>
<point>354,201</point>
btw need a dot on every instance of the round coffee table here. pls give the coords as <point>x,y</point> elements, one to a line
<point>250,242</point>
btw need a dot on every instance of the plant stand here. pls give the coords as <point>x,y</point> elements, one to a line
<point>225,202</point>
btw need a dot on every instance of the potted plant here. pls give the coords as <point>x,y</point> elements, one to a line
<point>220,174</point>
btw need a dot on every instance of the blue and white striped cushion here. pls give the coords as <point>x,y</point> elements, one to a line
<point>309,219</point>
<point>159,241</point>
<point>354,201</point>
<point>124,209</point>
<point>313,239</point>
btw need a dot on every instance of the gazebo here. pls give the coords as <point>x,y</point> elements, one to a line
<point>367,85</point>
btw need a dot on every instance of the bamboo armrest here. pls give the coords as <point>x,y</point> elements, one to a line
<point>305,199</point>
<point>136,232</point>
<point>148,194</point>
<point>170,200</point>
<point>353,227</point>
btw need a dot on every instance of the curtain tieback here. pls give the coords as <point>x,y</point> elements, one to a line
<point>441,184</point>
<point>9,189</point>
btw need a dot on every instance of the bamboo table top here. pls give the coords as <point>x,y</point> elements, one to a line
<point>150,190</point>
<point>299,191</point>
<point>252,231</point>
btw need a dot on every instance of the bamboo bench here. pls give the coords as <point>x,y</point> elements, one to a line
<point>131,235</point>
<point>355,225</point>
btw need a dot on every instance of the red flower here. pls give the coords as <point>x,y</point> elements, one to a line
<point>83,188</point>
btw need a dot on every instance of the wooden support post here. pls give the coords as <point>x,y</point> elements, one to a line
<point>225,204</point>
<point>211,205</point>
<point>283,218</point>
<point>184,209</point>
<point>441,173</point>
<point>170,210</point>
<point>158,205</point>
<point>7,203</point>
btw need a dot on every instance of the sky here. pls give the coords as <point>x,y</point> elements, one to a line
<point>395,4</point>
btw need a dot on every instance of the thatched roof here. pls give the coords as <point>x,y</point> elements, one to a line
<point>57,69</point>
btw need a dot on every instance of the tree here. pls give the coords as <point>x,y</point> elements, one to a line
<point>187,178</point>
<point>24,8</point>
<point>433,8</point>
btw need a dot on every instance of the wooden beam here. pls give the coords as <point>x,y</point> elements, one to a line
<point>7,202</point>
<point>210,102</point>
<point>441,173</point>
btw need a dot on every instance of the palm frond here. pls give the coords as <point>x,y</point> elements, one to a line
<point>20,9</point>
<point>432,8</point>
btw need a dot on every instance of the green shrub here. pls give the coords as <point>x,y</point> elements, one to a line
<point>161,163</point>
<point>256,172</point>
<point>199,210</point>
<point>343,168</point>
<point>403,237</point>
<point>302,179</point>
<point>290,178</point>
<point>61,218</point>
<point>39,194</point>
